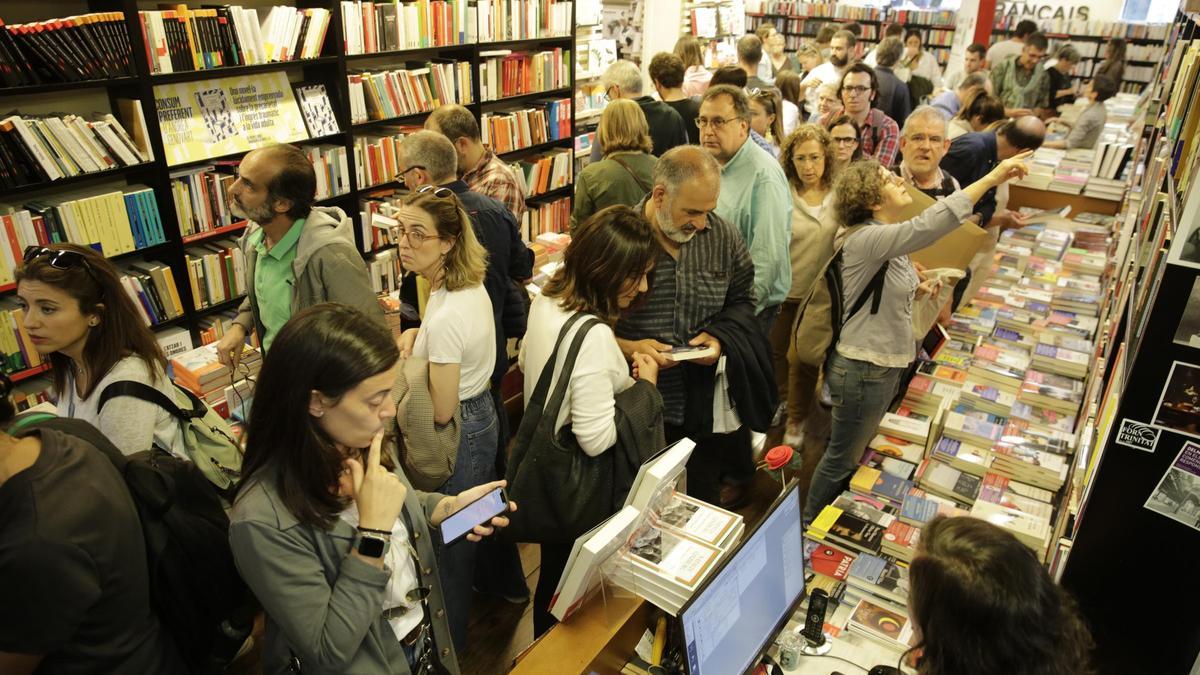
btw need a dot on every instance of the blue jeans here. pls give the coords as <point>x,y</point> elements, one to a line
<point>861,393</point>
<point>475,465</point>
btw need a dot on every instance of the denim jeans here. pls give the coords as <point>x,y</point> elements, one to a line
<point>474,465</point>
<point>861,392</point>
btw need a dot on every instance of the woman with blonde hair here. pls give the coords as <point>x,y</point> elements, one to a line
<point>696,77</point>
<point>808,160</point>
<point>458,338</point>
<point>623,176</point>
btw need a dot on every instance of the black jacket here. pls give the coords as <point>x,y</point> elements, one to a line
<point>748,367</point>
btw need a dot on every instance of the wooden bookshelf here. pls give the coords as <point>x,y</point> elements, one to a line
<point>330,68</point>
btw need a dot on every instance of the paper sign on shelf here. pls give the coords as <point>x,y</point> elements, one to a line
<point>224,116</point>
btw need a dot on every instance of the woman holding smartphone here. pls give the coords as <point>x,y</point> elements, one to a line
<point>326,531</point>
<point>603,271</point>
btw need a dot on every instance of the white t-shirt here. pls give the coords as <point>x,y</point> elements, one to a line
<point>600,373</point>
<point>398,559</point>
<point>458,328</point>
<point>791,118</point>
<point>133,425</point>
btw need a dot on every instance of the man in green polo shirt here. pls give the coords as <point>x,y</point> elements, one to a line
<point>297,255</point>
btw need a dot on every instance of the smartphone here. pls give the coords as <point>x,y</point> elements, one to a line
<point>690,352</point>
<point>480,511</point>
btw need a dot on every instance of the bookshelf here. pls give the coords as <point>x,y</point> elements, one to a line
<point>330,66</point>
<point>1137,431</point>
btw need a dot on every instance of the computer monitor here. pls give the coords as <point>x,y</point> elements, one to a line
<point>731,620</point>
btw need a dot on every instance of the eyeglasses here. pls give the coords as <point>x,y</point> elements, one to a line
<point>413,168</point>
<point>856,89</point>
<point>845,140</point>
<point>608,96</point>
<point>437,190</point>
<point>717,123</point>
<point>922,138</point>
<point>415,238</point>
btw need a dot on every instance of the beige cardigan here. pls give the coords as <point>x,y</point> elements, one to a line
<point>811,246</point>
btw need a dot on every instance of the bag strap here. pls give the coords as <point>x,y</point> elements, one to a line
<point>145,392</point>
<point>29,419</point>
<point>873,290</point>
<point>641,183</point>
<point>538,398</point>
<point>551,408</point>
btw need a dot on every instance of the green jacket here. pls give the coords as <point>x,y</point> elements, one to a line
<point>606,182</point>
<point>327,268</point>
<point>322,604</point>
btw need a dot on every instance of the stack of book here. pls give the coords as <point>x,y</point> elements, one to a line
<point>216,272</point>
<point>202,373</point>
<point>114,220</point>
<point>43,148</point>
<point>17,351</point>
<point>376,156</point>
<point>152,288</point>
<point>504,20</point>
<point>509,130</point>
<point>92,46</point>
<point>184,39</point>
<point>543,172</point>
<point>332,169</point>
<point>385,26</point>
<point>415,88</point>
<point>503,73</point>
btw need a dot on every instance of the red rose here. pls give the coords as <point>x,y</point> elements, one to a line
<point>778,457</point>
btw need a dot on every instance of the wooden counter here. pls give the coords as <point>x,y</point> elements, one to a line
<point>1019,195</point>
<point>599,638</point>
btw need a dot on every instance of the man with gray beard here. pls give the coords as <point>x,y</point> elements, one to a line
<point>703,271</point>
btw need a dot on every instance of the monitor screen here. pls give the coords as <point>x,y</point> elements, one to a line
<point>727,623</point>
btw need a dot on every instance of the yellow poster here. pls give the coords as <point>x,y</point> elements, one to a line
<point>212,118</point>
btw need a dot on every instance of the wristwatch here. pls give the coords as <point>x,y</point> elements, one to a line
<point>372,545</point>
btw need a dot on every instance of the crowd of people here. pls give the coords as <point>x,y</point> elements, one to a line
<point>707,219</point>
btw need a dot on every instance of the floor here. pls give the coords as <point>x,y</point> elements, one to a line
<point>499,629</point>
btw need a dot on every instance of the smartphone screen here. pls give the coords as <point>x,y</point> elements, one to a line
<point>479,511</point>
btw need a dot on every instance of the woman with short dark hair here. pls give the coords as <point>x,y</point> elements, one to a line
<point>876,343</point>
<point>846,136</point>
<point>326,529</point>
<point>981,602</point>
<point>603,271</point>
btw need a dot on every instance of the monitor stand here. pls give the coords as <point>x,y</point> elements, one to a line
<point>810,649</point>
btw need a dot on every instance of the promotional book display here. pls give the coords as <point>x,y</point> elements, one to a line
<point>194,87</point>
<point>660,546</point>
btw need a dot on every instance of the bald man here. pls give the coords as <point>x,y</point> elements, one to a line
<point>297,255</point>
<point>973,155</point>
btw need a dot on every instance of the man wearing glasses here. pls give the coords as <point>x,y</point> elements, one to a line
<point>297,255</point>
<point>667,130</point>
<point>879,135</point>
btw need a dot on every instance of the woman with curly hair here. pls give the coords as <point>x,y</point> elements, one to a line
<point>876,342</point>
<point>981,603</point>
<point>808,162</point>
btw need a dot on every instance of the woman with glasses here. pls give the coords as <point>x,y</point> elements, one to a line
<point>696,77</point>
<point>844,132</point>
<point>808,162</point>
<point>765,119</point>
<point>623,176</point>
<point>604,270</point>
<point>325,529</point>
<point>879,282</point>
<point>81,319</point>
<point>457,337</point>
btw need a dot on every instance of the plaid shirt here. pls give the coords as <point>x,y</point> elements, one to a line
<point>889,137</point>
<point>493,178</point>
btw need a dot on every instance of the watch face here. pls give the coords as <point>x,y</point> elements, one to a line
<point>371,547</point>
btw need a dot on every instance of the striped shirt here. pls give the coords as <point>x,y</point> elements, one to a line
<point>713,272</point>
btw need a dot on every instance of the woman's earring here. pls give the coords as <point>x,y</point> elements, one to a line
<point>93,323</point>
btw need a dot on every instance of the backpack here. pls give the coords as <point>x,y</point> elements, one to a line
<point>206,435</point>
<point>831,325</point>
<point>195,589</point>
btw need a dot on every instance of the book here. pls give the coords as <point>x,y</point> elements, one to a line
<point>668,567</point>
<point>846,529</point>
<point>949,482</point>
<point>503,73</point>
<point>920,509</point>
<point>581,574</point>
<point>907,428</point>
<point>873,482</point>
<point>898,447</point>
<point>880,577</point>
<point>1031,530</point>
<point>181,38</point>
<point>961,455</point>
<point>892,465</point>
<point>92,46</point>
<point>657,473</point>
<point>829,561</point>
<point>699,520</point>
<point>867,507</point>
<point>900,540</point>
<point>318,113</point>
<point>884,624</point>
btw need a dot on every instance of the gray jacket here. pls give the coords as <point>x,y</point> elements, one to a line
<point>322,604</point>
<point>327,268</point>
